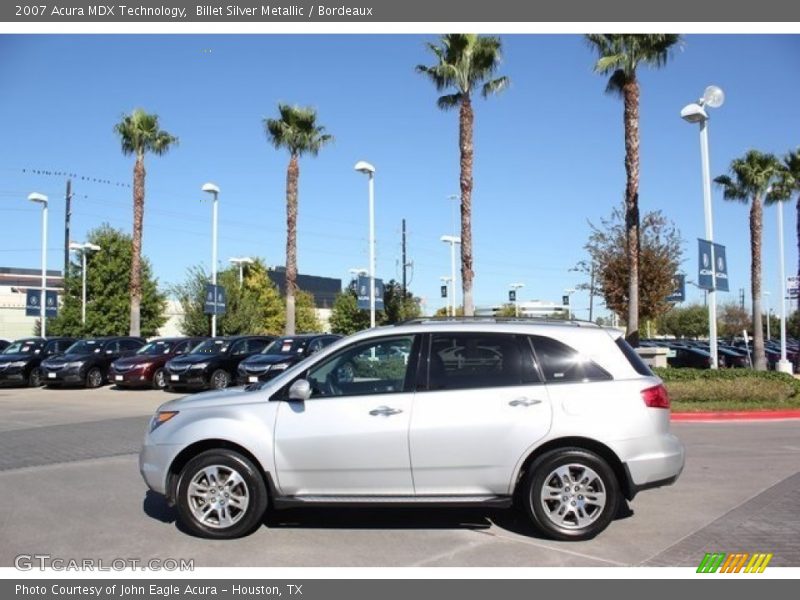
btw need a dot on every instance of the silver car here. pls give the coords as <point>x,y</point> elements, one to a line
<point>562,420</point>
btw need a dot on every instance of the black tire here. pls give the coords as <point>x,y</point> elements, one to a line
<point>35,378</point>
<point>247,520</point>
<point>160,380</point>
<point>219,380</point>
<point>568,528</point>
<point>94,378</point>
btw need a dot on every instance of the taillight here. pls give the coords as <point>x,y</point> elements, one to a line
<point>656,397</point>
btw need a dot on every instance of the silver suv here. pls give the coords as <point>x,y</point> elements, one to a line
<point>563,420</point>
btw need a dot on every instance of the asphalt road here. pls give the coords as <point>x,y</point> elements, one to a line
<point>68,457</point>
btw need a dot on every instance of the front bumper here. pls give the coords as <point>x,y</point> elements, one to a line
<point>154,463</point>
<point>13,376</point>
<point>247,378</point>
<point>652,461</point>
<point>66,375</point>
<point>191,378</point>
<point>132,378</point>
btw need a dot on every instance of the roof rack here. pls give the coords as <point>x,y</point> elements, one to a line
<point>494,319</point>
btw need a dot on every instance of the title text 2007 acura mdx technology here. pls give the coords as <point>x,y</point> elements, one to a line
<point>562,419</point>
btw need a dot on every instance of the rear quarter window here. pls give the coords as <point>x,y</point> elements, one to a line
<point>633,357</point>
<point>562,364</point>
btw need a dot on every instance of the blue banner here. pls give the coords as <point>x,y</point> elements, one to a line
<point>362,291</point>
<point>216,300</point>
<point>33,303</point>
<point>712,266</point>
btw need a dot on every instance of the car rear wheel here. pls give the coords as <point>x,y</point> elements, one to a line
<point>220,379</point>
<point>571,494</point>
<point>159,379</point>
<point>35,378</point>
<point>221,495</point>
<point>94,378</point>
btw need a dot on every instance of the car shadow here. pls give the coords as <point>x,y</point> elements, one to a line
<point>512,519</point>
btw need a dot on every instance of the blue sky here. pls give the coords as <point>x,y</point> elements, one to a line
<point>549,151</point>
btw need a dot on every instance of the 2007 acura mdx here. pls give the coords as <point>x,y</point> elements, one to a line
<point>563,419</point>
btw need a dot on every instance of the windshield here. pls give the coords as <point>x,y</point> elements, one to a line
<point>23,347</point>
<point>288,346</point>
<point>212,347</point>
<point>85,347</point>
<point>155,348</point>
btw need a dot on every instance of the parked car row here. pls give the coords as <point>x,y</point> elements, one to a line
<point>696,354</point>
<point>175,363</point>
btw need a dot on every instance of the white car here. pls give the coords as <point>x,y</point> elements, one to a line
<point>562,419</point>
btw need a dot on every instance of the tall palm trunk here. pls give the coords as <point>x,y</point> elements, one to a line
<point>292,176</point>
<point>630,92</point>
<point>466,149</point>
<point>756,229</point>
<point>136,258</point>
<point>797,210</point>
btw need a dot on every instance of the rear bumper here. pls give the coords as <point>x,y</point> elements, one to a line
<point>652,461</point>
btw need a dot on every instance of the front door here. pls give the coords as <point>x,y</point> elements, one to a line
<point>351,437</point>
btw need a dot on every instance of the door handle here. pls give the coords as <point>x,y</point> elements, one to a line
<point>524,402</point>
<point>384,411</point>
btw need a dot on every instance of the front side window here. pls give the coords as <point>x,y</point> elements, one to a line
<point>562,364</point>
<point>474,360</point>
<point>371,367</point>
<point>239,348</point>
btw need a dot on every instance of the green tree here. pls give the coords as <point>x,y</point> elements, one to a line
<point>254,307</point>
<point>684,321</point>
<point>139,133</point>
<point>107,293</point>
<point>465,62</point>
<point>620,55</point>
<point>660,255</point>
<point>749,180</point>
<point>732,320</point>
<point>397,306</point>
<point>346,317</point>
<point>307,321</point>
<point>298,132</point>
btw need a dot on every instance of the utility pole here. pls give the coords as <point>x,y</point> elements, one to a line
<point>67,215</point>
<point>405,263</point>
<point>591,294</point>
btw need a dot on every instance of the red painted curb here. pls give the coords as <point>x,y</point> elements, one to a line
<point>753,415</point>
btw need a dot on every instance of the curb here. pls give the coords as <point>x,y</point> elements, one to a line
<point>752,415</point>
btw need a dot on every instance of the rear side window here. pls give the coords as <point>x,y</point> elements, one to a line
<point>465,361</point>
<point>633,357</point>
<point>563,364</point>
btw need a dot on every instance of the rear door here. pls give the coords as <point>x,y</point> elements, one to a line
<point>482,407</point>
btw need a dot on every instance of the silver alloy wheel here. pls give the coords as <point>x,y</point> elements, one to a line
<point>95,378</point>
<point>218,496</point>
<point>573,496</point>
<point>160,379</point>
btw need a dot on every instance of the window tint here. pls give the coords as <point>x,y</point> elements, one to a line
<point>239,348</point>
<point>112,346</point>
<point>462,361</point>
<point>633,357</point>
<point>129,345</point>
<point>560,363</point>
<point>256,345</point>
<point>372,367</point>
<point>184,347</point>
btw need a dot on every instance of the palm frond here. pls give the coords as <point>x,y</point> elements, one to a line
<point>296,130</point>
<point>495,86</point>
<point>449,101</point>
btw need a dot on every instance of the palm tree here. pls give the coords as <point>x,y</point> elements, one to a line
<point>750,182</point>
<point>298,132</point>
<point>465,61</point>
<point>790,182</point>
<point>620,55</point>
<point>139,134</point>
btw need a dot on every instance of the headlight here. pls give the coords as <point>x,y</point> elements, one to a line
<point>77,364</point>
<point>18,364</point>
<point>279,367</point>
<point>160,418</point>
<point>202,365</point>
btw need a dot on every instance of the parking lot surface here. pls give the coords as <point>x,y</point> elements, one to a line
<point>70,458</point>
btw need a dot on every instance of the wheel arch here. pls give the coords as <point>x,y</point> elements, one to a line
<point>192,450</point>
<point>583,443</point>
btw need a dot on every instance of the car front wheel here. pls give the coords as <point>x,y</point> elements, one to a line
<point>571,494</point>
<point>220,379</point>
<point>35,378</point>
<point>221,495</point>
<point>159,379</point>
<point>94,378</point>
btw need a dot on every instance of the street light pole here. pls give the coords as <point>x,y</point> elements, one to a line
<point>369,170</point>
<point>766,301</point>
<point>240,262</point>
<point>516,287</point>
<point>214,191</point>
<point>84,250</point>
<point>783,365</point>
<point>696,113</point>
<point>42,199</point>
<point>452,240</point>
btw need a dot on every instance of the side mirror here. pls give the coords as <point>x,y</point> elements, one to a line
<point>300,391</point>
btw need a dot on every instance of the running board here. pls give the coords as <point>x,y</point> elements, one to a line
<point>361,501</point>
